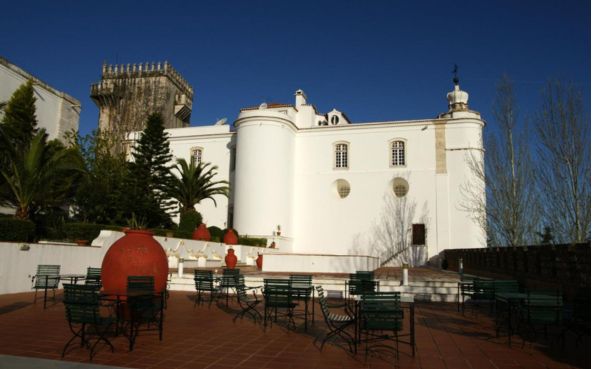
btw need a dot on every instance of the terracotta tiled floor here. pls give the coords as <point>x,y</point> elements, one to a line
<point>206,337</point>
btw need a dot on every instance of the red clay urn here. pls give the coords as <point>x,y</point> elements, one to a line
<point>135,254</point>
<point>230,259</point>
<point>230,238</point>
<point>201,233</point>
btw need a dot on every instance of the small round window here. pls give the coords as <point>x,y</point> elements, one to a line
<point>342,188</point>
<point>335,120</point>
<point>400,187</point>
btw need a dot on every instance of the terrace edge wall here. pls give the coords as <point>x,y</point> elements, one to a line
<point>543,266</point>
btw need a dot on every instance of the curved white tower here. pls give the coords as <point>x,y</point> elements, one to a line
<point>464,149</point>
<point>264,170</point>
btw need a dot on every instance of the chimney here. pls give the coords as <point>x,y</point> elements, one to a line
<point>300,98</point>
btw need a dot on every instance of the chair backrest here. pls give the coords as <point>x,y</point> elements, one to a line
<point>240,288</point>
<point>93,272</point>
<point>140,283</point>
<point>358,285</point>
<point>93,277</point>
<point>204,280</point>
<point>544,306</point>
<point>323,302</point>
<point>503,286</point>
<point>229,277</point>
<point>381,311</point>
<point>301,281</point>
<point>81,303</point>
<point>363,274</point>
<point>47,276</point>
<point>277,292</point>
<point>483,289</point>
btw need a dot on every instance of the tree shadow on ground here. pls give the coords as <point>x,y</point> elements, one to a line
<point>13,307</point>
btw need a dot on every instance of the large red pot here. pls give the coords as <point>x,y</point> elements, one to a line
<point>201,233</point>
<point>230,259</point>
<point>135,254</point>
<point>230,238</point>
<point>259,261</point>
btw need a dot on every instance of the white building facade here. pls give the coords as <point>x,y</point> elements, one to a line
<point>56,111</point>
<point>395,190</point>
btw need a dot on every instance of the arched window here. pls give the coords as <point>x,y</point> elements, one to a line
<point>341,155</point>
<point>196,155</point>
<point>397,154</point>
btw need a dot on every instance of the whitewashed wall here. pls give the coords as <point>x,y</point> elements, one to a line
<point>56,111</point>
<point>17,267</point>
<point>215,143</point>
<point>317,263</point>
<point>326,223</point>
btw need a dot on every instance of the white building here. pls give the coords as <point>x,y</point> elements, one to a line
<point>333,187</point>
<point>56,111</point>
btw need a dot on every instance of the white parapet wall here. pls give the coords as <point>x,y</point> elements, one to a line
<point>18,265</point>
<point>317,263</point>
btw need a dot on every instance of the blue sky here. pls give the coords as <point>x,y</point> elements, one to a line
<point>374,60</point>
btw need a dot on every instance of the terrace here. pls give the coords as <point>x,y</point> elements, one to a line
<point>205,336</point>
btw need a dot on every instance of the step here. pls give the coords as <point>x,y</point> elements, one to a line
<point>434,291</point>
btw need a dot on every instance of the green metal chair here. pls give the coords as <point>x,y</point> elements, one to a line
<point>205,283</point>
<point>93,277</point>
<point>82,309</point>
<point>302,289</point>
<point>336,323</point>
<point>46,278</point>
<point>542,310</point>
<point>279,300</point>
<point>381,318</point>
<point>144,306</point>
<point>228,281</point>
<point>247,303</point>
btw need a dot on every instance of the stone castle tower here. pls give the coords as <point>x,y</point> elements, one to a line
<point>127,94</point>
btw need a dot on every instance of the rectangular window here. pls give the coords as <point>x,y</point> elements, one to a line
<point>341,156</point>
<point>398,154</point>
<point>196,156</point>
<point>418,234</point>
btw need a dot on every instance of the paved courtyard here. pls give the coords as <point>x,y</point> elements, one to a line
<point>206,337</point>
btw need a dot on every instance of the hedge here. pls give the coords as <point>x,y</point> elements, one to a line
<point>16,230</point>
<point>216,234</point>
<point>82,231</point>
<point>252,241</point>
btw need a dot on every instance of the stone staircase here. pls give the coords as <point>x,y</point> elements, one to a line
<point>422,290</point>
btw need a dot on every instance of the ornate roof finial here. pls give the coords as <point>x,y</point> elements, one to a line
<point>455,71</point>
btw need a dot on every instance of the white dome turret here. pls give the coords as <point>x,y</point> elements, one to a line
<point>457,99</point>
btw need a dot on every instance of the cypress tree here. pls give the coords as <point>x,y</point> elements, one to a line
<point>19,121</point>
<point>151,171</point>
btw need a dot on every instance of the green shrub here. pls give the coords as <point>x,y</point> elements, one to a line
<point>163,232</point>
<point>188,222</point>
<point>216,234</point>
<point>16,230</point>
<point>252,241</point>
<point>82,231</point>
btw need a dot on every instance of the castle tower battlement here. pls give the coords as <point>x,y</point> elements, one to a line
<point>128,93</point>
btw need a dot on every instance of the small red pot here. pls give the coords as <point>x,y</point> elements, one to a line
<point>230,259</point>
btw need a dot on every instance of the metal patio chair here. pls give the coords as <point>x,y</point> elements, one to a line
<point>46,278</point>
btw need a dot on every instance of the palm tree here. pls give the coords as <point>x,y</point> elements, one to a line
<point>193,183</point>
<point>41,174</point>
